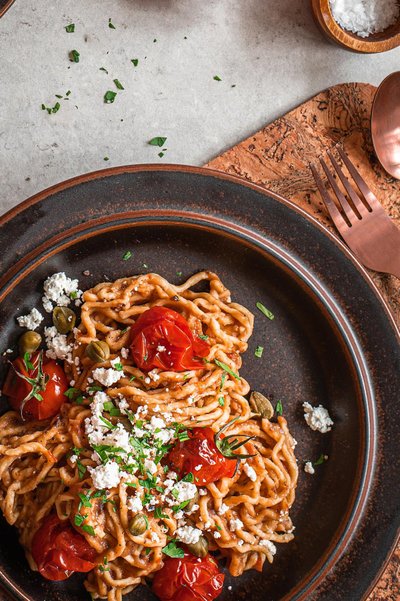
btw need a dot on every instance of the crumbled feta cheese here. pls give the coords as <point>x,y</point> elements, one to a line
<point>124,353</point>
<point>317,418</point>
<point>153,374</point>
<point>147,380</point>
<point>250,472</point>
<point>154,537</point>
<point>235,524</point>
<point>30,321</point>
<point>184,491</point>
<point>115,361</point>
<point>230,587</point>
<point>134,503</point>
<point>216,534</point>
<point>57,345</point>
<point>191,400</point>
<point>150,466</point>
<point>161,348</point>
<point>240,543</point>
<point>198,467</point>
<point>155,423</point>
<point>309,468</point>
<point>107,376</point>
<point>73,459</point>
<point>57,291</point>
<point>123,405</point>
<point>268,545</point>
<point>223,509</point>
<point>188,535</point>
<point>202,492</point>
<point>207,525</point>
<point>105,476</point>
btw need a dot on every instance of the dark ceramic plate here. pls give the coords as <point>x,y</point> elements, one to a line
<point>5,5</point>
<point>332,342</point>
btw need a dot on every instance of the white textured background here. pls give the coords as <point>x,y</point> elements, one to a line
<point>270,49</point>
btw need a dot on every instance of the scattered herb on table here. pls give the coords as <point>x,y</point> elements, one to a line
<point>265,311</point>
<point>321,459</point>
<point>51,109</point>
<point>217,78</point>
<point>127,255</point>
<point>157,141</point>
<point>109,96</point>
<point>106,159</point>
<point>119,84</point>
<point>259,351</point>
<point>279,408</point>
<point>103,69</point>
<point>135,61</point>
<point>74,56</point>
<point>110,24</point>
<point>70,28</point>
<point>161,154</point>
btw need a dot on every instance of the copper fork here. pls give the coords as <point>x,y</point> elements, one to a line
<point>361,220</point>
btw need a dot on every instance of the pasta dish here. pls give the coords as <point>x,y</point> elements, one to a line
<point>131,452</point>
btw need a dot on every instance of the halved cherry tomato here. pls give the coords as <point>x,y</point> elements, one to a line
<point>201,450</point>
<point>162,338</point>
<point>188,578</point>
<point>51,383</point>
<point>59,551</point>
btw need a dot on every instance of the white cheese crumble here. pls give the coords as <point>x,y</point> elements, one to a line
<point>105,476</point>
<point>184,491</point>
<point>154,375</point>
<point>107,376</point>
<point>309,468</point>
<point>57,345</point>
<point>150,466</point>
<point>223,509</point>
<point>250,472</point>
<point>188,535</point>
<point>73,459</point>
<point>134,503</point>
<point>317,418</point>
<point>57,291</point>
<point>217,534</point>
<point>268,545</point>
<point>124,353</point>
<point>161,348</point>
<point>31,321</point>
<point>235,524</point>
<point>198,467</point>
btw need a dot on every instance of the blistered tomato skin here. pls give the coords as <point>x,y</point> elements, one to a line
<point>200,449</point>
<point>161,338</point>
<point>59,550</point>
<point>50,396</point>
<point>188,578</point>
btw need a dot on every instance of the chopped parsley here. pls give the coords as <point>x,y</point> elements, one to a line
<point>70,28</point>
<point>159,514</point>
<point>79,519</point>
<point>135,61</point>
<point>81,469</point>
<point>226,368</point>
<point>172,550</point>
<point>127,255</point>
<point>106,159</point>
<point>265,311</point>
<point>183,435</point>
<point>221,401</point>
<point>279,408</point>
<point>74,56</point>
<point>321,459</point>
<point>27,361</point>
<point>110,24</point>
<point>157,141</point>
<point>103,69</point>
<point>222,381</point>
<point>161,154</point>
<point>88,529</point>
<point>118,84</point>
<point>109,96</point>
<point>107,423</point>
<point>259,351</point>
<point>94,388</point>
<point>73,295</point>
<point>217,78</point>
<point>118,366</point>
<point>203,336</point>
<point>51,109</point>
<point>85,500</point>
<point>111,409</point>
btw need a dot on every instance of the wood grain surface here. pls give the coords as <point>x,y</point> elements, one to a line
<point>278,158</point>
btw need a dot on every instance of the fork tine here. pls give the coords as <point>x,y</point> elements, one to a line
<point>360,207</point>
<point>369,196</point>
<point>330,205</point>
<point>339,194</point>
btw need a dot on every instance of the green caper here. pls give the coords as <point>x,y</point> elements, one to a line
<point>193,501</point>
<point>261,405</point>
<point>138,525</point>
<point>29,342</point>
<point>200,549</point>
<point>98,351</point>
<point>64,319</point>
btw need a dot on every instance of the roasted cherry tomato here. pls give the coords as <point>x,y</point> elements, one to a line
<point>188,578</point>
<point>59,551</point>
<point>36,387</point>
<point>201,450</point>
<point>162,338</point>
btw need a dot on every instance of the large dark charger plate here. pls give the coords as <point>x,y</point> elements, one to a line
<point>332,342</point>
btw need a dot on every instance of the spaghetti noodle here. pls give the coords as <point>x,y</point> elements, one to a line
<point>103,460</point>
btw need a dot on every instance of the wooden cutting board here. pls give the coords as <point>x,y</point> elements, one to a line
<point>278,158</point>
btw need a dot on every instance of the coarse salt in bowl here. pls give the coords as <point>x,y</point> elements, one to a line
<point>366,26</point>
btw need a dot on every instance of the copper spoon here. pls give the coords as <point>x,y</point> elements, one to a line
<point>385,124</point>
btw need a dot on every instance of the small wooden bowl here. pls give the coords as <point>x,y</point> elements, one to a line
<point>376,42</point>
<point>5,5</point>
